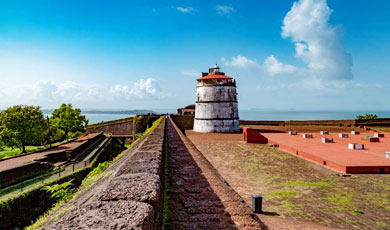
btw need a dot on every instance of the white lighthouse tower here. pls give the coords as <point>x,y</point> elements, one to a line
<point>216,107</point>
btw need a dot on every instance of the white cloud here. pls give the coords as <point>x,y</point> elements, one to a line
<point>142,89</point>
<point>225,9</point>
<point>185,10</point>
<point>273,66</point>
<point>317,42</point>
<point>240,62</point>
<point>50,94</point>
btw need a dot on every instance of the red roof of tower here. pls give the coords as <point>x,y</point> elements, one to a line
<point>214,76</point>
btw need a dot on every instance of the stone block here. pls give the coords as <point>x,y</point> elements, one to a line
<point>142,187</point>
<point>327,140</point>
<point>343,135</point>
<point>355,146</point>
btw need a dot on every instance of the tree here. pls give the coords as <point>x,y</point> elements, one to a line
<point>69,120</point>
<point>367,116</point>
<point>22,125</point>
<point>53,133</point>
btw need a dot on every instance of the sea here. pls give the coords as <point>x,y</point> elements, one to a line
<point>261,114</point>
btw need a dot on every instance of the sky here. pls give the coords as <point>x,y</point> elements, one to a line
<point>284,54</point>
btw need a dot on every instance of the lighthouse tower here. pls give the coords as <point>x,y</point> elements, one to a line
<point>216,103</point>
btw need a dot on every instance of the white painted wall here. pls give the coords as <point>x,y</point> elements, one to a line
<point>217,126</point>
<point>213,105</point>
<point>216,93</point>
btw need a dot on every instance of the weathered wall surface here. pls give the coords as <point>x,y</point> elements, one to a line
<point>125,126</point>
<point>184,122</point>
<point>347,123</point>
<point>374,122</point>
<point>131,198</point>
<point>219,93</point>
<point>25,172</point>
<point>220,126</point>
<point>216,109</point>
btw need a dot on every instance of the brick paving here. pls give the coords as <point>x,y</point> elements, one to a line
<point>199,198</point>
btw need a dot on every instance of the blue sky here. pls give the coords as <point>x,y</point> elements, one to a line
<point>147,54</point>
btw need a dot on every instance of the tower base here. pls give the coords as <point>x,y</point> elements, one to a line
<point>217,126</point>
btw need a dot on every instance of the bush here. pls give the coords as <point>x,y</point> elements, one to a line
<point>367,116</point>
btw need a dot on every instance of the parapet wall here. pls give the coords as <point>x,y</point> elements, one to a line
<point>131,198</point>
<point>184,122</point>
<point>345,123</point>
<point>125,126</point>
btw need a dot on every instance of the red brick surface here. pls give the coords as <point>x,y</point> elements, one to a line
<point>336,155</point>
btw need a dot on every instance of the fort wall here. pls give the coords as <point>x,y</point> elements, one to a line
<point>133,192</point>
<point>125,126</point>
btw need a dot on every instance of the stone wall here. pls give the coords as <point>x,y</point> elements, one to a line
<point>346,123</point>
<point>184,122</point>
<point>25,172</point>
<point>125,126</point>
<point>131,198</point>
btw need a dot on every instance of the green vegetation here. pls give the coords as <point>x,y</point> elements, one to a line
<point>68,120</point>
<point>60,191</point>
<point>367,116</point>
<point>10,152</point>
<point>22,125</point>
<point>284,193</point>
<point>94,174</point>
<point>357,211</point>
<point>306,184</point>
<point>380,224</point>
<point>166,213</point>
<point>24,129</point>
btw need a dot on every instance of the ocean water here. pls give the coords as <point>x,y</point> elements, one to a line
<point>266,115</point>
<point>286,115</point>
<point>95,118</point>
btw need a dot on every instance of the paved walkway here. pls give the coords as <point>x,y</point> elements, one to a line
<point>198,197</point>
<point>19,161</point>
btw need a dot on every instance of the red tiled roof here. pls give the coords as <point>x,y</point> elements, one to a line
<point>214,76</point>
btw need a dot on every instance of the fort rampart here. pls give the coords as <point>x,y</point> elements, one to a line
<point>186,122</point>
<point>125,126</point>
<point>133,194</point>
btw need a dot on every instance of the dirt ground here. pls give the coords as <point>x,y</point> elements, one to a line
<point>294,188</point>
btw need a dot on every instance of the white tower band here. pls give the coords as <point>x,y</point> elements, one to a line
<point>216,107</point>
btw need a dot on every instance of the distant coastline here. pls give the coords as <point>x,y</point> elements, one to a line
<point>99,115</point>
<point>118,112</point>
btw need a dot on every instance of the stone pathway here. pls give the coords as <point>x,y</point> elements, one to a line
<point>199,198</point>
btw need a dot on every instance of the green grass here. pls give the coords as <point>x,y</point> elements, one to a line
<point>357,211</point>
<point>283,193</point>
<point>338,200</point>
<point>8,152</point>
<point>166,213</point>
<point>95,174</point>
<point>380,224</point>
<point>301,183</point>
